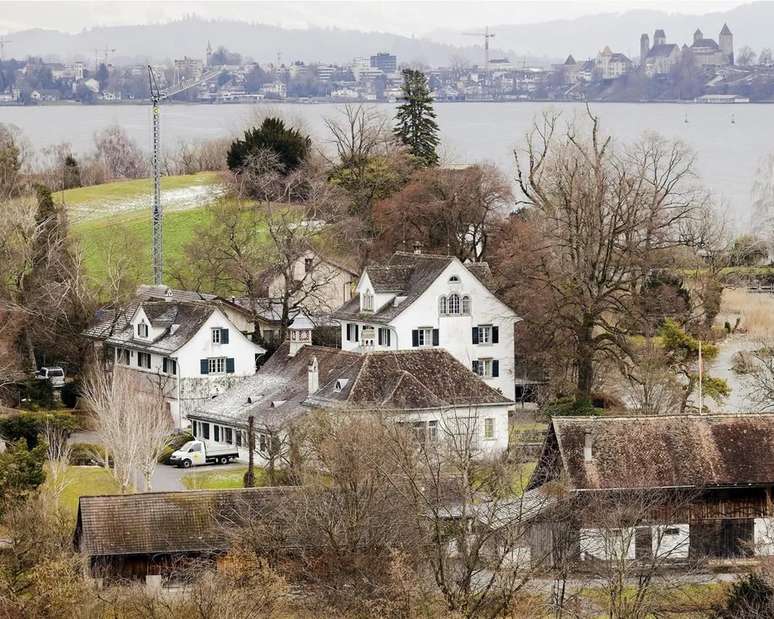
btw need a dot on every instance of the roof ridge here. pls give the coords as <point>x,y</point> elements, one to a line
<point>594,418</point>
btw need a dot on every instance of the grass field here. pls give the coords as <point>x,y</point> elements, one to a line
<point>221,479</point>
<point>178,193</point>
<point>86,480</point>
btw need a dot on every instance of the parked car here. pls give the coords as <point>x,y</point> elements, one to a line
<point>55,375</point>
<point>195,453</point>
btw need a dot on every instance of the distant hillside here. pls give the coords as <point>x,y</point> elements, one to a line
<point>583,37</point>
<point>189,37</point>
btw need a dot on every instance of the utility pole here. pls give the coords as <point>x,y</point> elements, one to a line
<point>3,42</point>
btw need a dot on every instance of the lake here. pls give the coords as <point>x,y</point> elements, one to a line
<point>728,153</point>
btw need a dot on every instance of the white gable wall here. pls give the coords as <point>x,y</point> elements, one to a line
<point>455,333</point>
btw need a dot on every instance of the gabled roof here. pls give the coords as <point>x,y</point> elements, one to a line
<point>725,29</point>
<point>705,43</point>
<point>662,51</point>
<point>167,522</point>
<point>659,452</point>
<point>570,60</point>
<point>179,320</point>
<point>407,276</point>
<point>427,378</point>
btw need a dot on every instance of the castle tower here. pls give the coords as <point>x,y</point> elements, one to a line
<point>726,43</point>
<point>659,37</point>
<point>644,48</point>
<point>698,36</point>
<point>209,55</point>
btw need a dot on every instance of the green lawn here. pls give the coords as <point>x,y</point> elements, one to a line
<point>215,479</point>
<point>178,192</point>
<point>84,481</point>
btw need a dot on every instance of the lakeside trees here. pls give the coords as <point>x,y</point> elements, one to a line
<point>415,124</point>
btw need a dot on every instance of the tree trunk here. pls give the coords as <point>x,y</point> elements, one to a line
<point>249,479</point>
<point>30,349</point>
<point>585,361</point>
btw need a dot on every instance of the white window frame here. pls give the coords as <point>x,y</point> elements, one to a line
<point>465,305</point>
<point>425,337</point>
<point>368,302</point>
<point>489,428</point>
<point>485,368</point>
<point>485,334</point>
<point>384,335</point>
<point>216,365</point>
<point>142,330</point>
<point>148,357</point>
<point>442,306</point>
<point>216,335</point>
<point>453,304</point>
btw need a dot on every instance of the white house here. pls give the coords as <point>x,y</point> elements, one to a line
<point>419,301</point>
<point>424,387</point>
<point>190,349</point>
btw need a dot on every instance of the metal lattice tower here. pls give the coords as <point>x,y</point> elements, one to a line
<point>157,217</point>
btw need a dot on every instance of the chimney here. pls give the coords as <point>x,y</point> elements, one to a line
<point>587,447</point>
<point>300,334</point>
<point>313,372</point>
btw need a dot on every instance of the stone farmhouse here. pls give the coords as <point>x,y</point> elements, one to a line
<point>426,388</point>
<point>422,301</point>
<point>189,349</point>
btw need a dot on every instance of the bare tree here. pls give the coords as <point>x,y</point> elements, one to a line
<point>120,154</point>
<point>602,216</point>
<point>131,423</point>
<point>58,451</point>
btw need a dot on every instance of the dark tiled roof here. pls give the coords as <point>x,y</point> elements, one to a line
<point>659,33</point>
<point>570,60</point>
<point>662,452</point>
<point>187,316</point>
<point>159,293</point>
<point>165,522</point>
<point>399,380</point>
<point>618,57</point>
<point>275,394</point>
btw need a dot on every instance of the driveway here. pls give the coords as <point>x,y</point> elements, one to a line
<point>165,478</point>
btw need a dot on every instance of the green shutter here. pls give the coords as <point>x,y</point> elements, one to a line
<point>229,365</point>
<point>224,336</point>
<point>204,366</point>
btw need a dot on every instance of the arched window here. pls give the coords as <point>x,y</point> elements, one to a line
<point>454,279</point>
<point>442,306</point>
<point>454,304</point>
<point>466,304</point>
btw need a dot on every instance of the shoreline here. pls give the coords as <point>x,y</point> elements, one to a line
<point>323,101</point>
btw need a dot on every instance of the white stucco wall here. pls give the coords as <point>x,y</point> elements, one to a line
<point>764,536</point>
<point>671,545</point>
<point>607,545</point>
<point>454,332</point>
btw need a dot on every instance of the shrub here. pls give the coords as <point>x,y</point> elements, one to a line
<point>85,454</point>
<point>176,441</point>
<point>70,394</point>
<point>290,145</point>
<point>571,406</point>
<point>750,598</point>
<point>30,425</point>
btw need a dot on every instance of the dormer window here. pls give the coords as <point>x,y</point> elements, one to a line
<point>368,302</point>
<point>454,279</point>
<point>142,330</point>
<point>340,384</point>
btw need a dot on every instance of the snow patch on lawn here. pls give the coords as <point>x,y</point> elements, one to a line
<point>171,200</point>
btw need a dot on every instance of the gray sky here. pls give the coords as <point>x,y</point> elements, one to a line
<point>397,16</point>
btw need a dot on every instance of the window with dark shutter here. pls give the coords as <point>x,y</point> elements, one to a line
<point>357,333</point>
<point>435,337</point>
<point>204,366</point>
<point>224,336</point>
<point>415,337</point>
<point>230,365</point>
<point>475,367</point>
<point>216,431</point>
<point>495,368</point>
<point>380,338</point>
<point>349,332</point>
<point>475,335</point>
<point>495,335</point>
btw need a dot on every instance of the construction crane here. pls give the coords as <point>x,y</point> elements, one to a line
<point>3,42</point>
<point>487,35</point>
<point>156,97</point>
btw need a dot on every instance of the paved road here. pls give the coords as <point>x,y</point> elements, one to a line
<point>165,478</point>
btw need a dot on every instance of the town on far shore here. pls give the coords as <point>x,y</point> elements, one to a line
<point>704,69</point>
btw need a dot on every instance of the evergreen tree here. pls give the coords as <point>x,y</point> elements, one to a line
<point>290,145</point>
<point>416,126</point>
<point>71,176</point>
